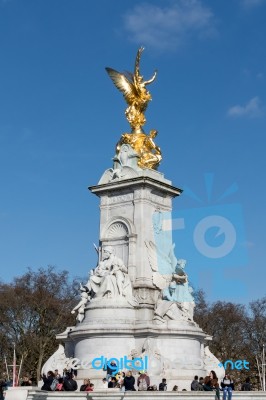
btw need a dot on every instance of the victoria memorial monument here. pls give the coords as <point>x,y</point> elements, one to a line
<point>137,302</point>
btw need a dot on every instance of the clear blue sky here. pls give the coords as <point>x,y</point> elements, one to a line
<point>60,117</point>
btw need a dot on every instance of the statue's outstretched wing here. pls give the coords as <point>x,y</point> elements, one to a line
<point>123,84</point>
<point>129,76</point>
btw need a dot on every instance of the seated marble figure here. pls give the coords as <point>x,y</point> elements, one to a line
<point>176,301</point>
<point>167,306</point>
<point>110,279</point>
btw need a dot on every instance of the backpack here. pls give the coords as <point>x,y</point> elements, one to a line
<point>54,384</point>
<point>143,384</point>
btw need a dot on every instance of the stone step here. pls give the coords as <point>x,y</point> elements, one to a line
<point>32,393</point>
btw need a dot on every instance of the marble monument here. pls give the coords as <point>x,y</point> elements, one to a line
<point>137,302</point>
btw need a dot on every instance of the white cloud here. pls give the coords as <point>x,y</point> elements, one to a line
<point>167,27</point>
<point>252,109</point>
<point>251,3</point>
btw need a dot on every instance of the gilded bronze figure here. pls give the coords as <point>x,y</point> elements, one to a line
<point>133,87</point>
<point>135,93</point>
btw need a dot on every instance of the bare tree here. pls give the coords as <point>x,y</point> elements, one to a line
<point>230,326</point>
<point>33,309</point>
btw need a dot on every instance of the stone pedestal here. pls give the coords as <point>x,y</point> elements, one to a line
<point>132,210</point>
<point>127,218</point>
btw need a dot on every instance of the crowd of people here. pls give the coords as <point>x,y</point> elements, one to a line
<point>211,383</point>
<point>53,381</point>
<point>125,381</point>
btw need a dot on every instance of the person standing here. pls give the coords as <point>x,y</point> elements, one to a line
<point>227,385</point>
<point>129,381</point>
<point>143,381</point>
<point>111,370</point>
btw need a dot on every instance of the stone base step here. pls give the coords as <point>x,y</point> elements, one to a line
<point>32,393</point>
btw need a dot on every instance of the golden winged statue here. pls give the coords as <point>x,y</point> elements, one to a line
<point>133,87</point>
<point>135,93</point>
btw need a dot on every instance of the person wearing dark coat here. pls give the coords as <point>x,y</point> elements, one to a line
<point>69,385</point>
<point>111,370</point>
<point>3,386</point>
<point>112,383</point>
<point>47,381</point>
<point>227,386</point>
<point>247,385</point>
<point>163,385</point>
<point>26,381</point>
<point>129,381</point>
